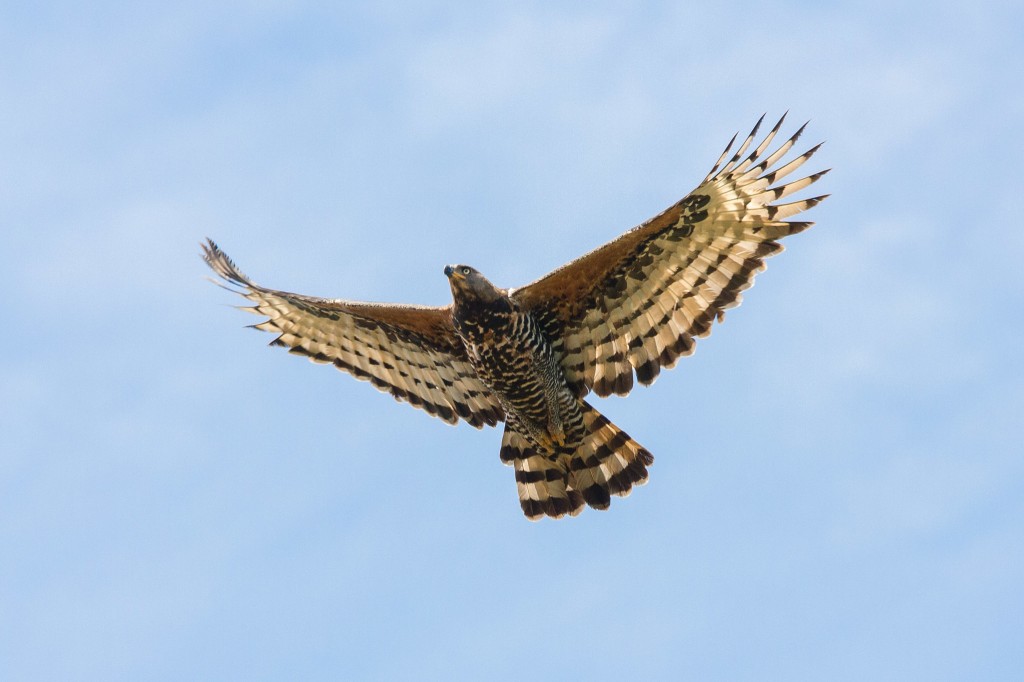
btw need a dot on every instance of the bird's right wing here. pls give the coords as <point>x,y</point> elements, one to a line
<point>411,352</point>
<point>638,303</point>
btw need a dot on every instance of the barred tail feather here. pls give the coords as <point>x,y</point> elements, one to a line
<point>542,481</point>
<point>608,462</point>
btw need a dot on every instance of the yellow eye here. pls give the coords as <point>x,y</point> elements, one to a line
<point>465,271</point>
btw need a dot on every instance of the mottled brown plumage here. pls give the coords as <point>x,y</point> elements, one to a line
<point>529,356</point>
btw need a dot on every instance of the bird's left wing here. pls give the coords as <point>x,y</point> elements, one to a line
<point>411,352</point>
<point>639,302</point>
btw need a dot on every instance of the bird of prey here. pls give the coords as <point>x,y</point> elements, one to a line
<point>528,356</point>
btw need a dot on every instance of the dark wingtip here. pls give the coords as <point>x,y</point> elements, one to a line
<point>221,264</point>
<point>211,252</point>
<point>757,126</point>
<point>800,131</point>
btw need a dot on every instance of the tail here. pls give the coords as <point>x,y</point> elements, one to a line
<point>542,480</point>
<point>608,462</point>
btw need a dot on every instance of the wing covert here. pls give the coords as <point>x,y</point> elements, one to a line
<point>411,352</point>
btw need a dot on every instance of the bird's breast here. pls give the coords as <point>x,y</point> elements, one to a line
<point>514,359</point>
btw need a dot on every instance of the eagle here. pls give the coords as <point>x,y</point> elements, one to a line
<point>529,356</point>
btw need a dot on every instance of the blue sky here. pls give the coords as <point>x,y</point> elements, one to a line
<point>838,490</point>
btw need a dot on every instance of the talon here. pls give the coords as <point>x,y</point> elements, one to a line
<point>551,442</point>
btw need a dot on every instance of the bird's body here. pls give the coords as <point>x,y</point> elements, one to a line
<point>529,356</point>
<point>514,358</point>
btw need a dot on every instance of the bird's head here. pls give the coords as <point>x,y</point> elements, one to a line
<point>468,283</point>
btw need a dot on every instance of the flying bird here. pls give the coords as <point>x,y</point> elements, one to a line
<point>529,356</point>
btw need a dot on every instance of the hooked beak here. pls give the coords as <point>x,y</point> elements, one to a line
<point>451,272</point>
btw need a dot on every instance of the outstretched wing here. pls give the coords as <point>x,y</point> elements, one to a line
<point>411,352</point>
<point>639,302</point>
